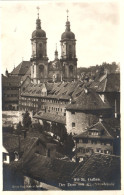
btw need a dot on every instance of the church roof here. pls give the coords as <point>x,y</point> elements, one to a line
<point>21,69</point>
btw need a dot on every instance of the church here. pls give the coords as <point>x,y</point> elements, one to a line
<point>64,69</point>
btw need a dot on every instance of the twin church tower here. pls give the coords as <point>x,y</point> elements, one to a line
<point>63,69</point>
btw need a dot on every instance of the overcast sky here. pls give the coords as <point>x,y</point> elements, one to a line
<point>96,26</point>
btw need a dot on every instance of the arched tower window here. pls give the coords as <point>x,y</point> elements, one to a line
<point>70,51</point>
<point>41,68</point>
<point>40,50</point>
<point>71,71</point>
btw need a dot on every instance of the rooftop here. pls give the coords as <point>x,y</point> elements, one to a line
<point>21,69</point>
<point>51,117</point>
<point>109,132</point>
<point>88,100</point>
<point>102,166</point>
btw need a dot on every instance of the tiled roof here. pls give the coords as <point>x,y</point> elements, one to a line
<point>111,83</point>
<point>88,101</point>
<point>49,170</point>
<point>51,117</point>
<point>22,68</point>
<point>104,167</point>
<point>108,133</point>
<point>11,142</point>
<point>34,90</point>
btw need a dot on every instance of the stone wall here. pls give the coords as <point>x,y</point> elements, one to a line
<point>77,122</point>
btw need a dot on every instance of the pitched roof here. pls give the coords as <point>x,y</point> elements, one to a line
<point>22,68</point>
<point>111,83</point>
<point>88,101</point>
<point>50,117</point>
<point>109,132</point>
<point>49,170</point>
<point>102,166</point>
<point>11,142</point>
<point>34,90</point>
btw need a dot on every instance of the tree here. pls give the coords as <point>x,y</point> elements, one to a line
<point>68,145</point>
<point>26,120</point>
<point>19,127</point>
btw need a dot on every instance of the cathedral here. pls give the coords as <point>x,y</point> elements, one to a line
<point>63,69</point>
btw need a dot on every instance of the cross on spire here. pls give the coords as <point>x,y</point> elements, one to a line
<point>38,11</point>
<point>56,46</point>
<point>67,13</point>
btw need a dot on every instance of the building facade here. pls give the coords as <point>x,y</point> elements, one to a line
<point>98,138</point>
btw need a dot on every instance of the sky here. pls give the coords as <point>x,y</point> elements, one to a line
<point>96,26</point>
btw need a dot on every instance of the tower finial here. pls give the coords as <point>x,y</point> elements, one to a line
<point>67,14</point>
<point>38,11</point>
<point>56,53</point>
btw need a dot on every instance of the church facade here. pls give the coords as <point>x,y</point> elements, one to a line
<point>63,69</point>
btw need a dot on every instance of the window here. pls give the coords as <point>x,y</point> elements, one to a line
<point>82,150</point>
<point>73,124</point>
<point>85,140</point>
<point>98,150</point>
<point>94,142</point>
<point>107,151</point>
<point>80,140</point>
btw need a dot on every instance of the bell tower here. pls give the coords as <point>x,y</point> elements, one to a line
<point>39,59</point>
<point>68,53</point>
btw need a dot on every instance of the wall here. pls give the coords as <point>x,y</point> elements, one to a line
<point>81,120</point>
<point>99,145</point>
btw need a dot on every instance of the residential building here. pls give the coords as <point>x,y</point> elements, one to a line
<point>100,137</point>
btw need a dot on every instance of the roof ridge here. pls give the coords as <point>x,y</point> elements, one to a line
<point>105,128</point>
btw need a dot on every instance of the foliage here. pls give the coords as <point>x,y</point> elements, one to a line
<point>68,145</point>
<point>19,127</point>
<point>26,120</point>
<point>94,72</point>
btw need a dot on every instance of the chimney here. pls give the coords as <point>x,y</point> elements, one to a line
<point>85,90</point>
<point>100,118</point>
<point>70,100</point>
<point>116,109</point>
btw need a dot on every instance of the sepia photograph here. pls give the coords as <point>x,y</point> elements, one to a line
<point>60,83</point>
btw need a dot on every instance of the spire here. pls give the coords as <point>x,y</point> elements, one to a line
<point>56,53</point>
<point>67,23</point>
<point>67,14</point>
<point>38,22</point>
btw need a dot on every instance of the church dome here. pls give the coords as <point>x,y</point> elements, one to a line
<point>39,33</point>
<point>67,34</point>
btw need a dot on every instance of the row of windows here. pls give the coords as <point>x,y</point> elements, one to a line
<point>10,88</point>
<point>44,100</point>
<point>90,150</point>
<point>95,133</point>
<point>94,142</point>
<point>11,95</point>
